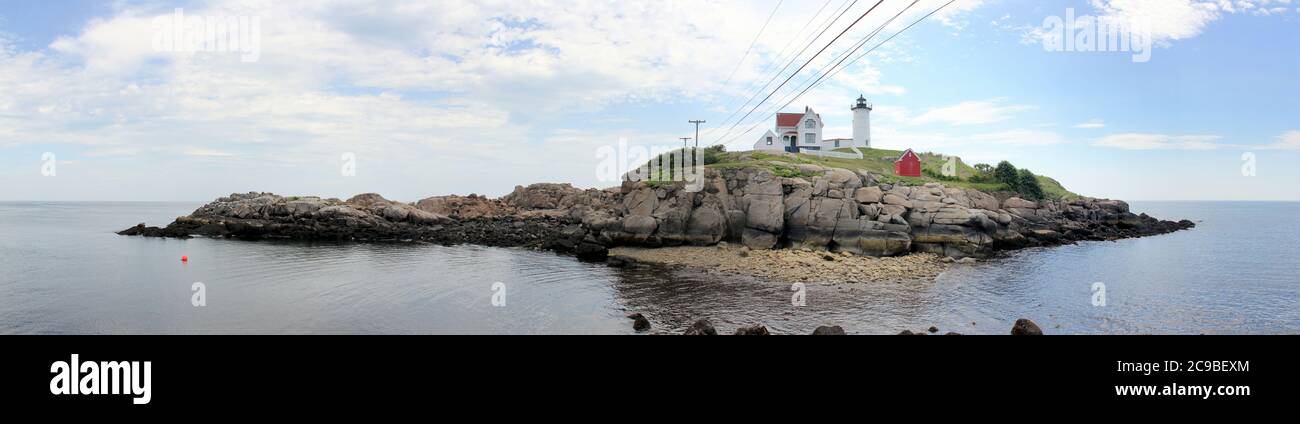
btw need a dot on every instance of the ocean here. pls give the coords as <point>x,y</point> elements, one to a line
<point>64,271</point>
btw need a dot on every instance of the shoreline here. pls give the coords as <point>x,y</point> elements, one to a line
<point>789,265</point>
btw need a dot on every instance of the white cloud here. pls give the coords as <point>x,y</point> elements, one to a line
<point>1092,124</point>
<point>1166,20</point>
<point>954,14</point>
<point>970,113</point>
<point>1287,141</point>
<point>435,93</point>
<point>1139,141</point>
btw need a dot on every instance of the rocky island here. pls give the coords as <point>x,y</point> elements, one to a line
<point>758,202</point>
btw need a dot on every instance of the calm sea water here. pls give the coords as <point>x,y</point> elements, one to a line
<point>62,270</point>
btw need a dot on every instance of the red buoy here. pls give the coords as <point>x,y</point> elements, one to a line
<point>185,258</point>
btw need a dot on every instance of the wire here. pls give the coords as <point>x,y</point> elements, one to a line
<point>855,60</point>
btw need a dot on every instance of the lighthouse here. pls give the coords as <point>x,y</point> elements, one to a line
<point>862,122</point>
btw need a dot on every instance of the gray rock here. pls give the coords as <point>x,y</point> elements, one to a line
<point>701,328</point>
<point>640,225</point>
<point>1018,203</point>
<point>1025,327</point>
<point>895,199</point>
<point>868,195</point>
<point>753,330</point>
<point>758,239</point>
<point>833,330</point>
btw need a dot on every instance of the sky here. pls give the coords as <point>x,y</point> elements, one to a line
<point>100,101</point>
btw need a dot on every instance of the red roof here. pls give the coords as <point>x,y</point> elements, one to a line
<point>788,119</point>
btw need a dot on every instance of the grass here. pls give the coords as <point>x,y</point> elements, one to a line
<point>879,162</point>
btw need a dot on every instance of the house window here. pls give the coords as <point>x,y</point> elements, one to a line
<point>810,124</point>
<point>809,137</point>
<point>769,141</point>
<point>837,143</point>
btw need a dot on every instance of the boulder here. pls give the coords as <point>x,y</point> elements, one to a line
<point>765,212</point>
<point>366,200</point>
<point>702,327</point>
<point>1025,327</point>
<point>640,225</point>
<point>1018,203</point>
<point>833,330</point>
<point>639,322</point>
<point>843,178</point>
<point>707,225</point>
<point>868,195</point>
<point>758,239</point>
<point>753,330</point>
<point>540,196</point>
<point>896,200</point>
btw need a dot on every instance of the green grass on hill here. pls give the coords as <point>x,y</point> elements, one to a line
<point>880,162</point>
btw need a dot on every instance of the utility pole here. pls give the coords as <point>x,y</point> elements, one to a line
<point>697,132</point>
<point>684,140</point>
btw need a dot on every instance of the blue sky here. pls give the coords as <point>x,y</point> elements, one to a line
<point>477,97</point>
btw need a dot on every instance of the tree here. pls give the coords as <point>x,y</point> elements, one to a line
<point>1028,185</point>
<point>984,168</point>
<point>1006,174</point>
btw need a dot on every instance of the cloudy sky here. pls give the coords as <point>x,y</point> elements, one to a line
<point>443,97</point>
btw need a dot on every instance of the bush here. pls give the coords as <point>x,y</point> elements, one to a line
<point>1028,185</point>
<point>1006,173</point>
<point>713,154</point>
<point>938,176</point>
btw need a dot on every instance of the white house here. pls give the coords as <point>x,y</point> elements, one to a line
<point>803,131</point>
<point>793,131</point>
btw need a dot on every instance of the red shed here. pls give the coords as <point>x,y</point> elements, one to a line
<point>908,165</point>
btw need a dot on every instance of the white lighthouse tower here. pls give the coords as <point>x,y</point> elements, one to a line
<point>862,123</point>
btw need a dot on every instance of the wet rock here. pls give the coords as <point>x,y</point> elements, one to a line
<point>590,251</point>
<point>753,330</point>
<point>639,322</point>
<point>933,329</point>
<point>833,330</point>
<point>1025,327</point>
<point>702,327</point>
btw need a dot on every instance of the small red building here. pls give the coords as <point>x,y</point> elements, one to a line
<point>908,165</point>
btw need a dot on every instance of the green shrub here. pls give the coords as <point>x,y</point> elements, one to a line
<point>1006,173</point>
<point>713,154</point>
<point>1028,185</point>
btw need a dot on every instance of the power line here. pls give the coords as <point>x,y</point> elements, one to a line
<point>834,72</point>
<point>796,72</point>
<point>909,26</point>
<point>780,57</point>
<point>809,43</point>
<point>827,72</point>
<point>755,41</point>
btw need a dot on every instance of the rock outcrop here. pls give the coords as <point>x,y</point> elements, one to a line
<point>832,210</point>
